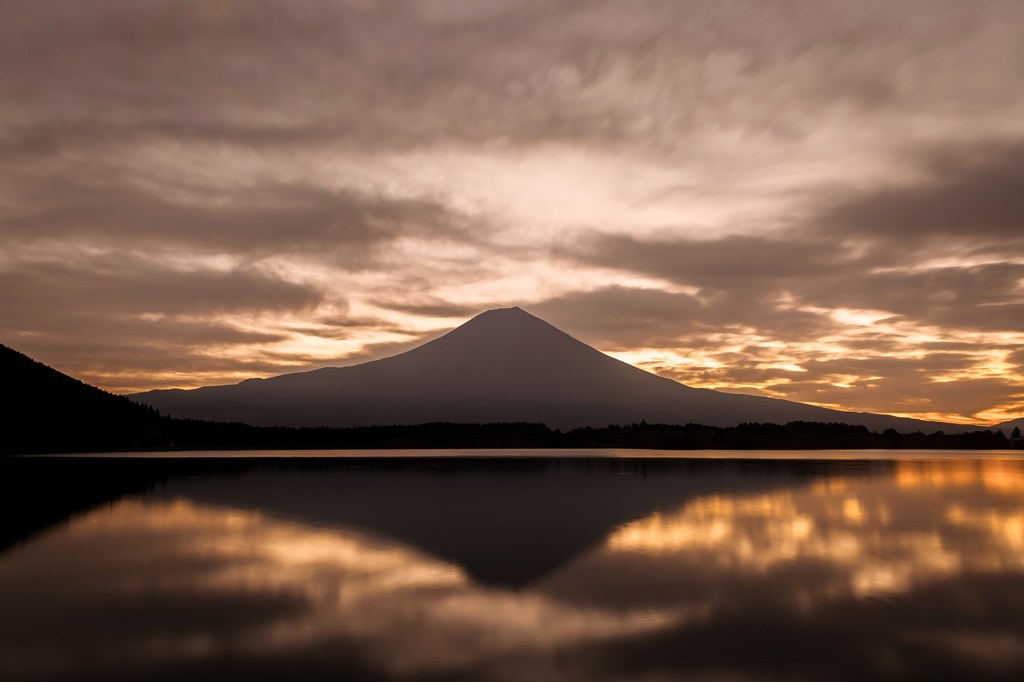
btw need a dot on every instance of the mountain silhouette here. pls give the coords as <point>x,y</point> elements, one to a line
<point>503,365</point>
<point>48,411</point>
<point>1008,426</point>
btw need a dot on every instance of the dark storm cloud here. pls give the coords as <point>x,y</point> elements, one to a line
<point>717,262</point>
<point>27,141</point>
<point>379,74</point>
<point>761,299</point>
<point>111,287</point>
<point>742,281</point>
<point>864,252</point>
<point>983,297</point>
<point>429,306</point>
<point>382,74</point>
<point>620,317</point>
<point>345,226</point>
<point>973,193</point>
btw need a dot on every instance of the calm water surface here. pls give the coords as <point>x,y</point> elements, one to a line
<point>514,569</point>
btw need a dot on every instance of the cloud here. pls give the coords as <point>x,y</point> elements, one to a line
<point>713,262</point>
<point>1017,358</point>
<point>620,317</point>
<point>969,193</point>
<point>427,305</point>
<point>656,74</point>
<point>733,190</point>
<point>984,297</point>
<point>114,320</point>
<point>844,316</point>
<point>143,287</point>
<point>915,394</point>
<point>251,222</point>
<point>911,251</point>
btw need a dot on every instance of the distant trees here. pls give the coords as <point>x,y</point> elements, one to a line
<point>155,432</point>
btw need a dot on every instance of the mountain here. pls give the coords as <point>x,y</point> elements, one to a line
<point>1008,427</point>
<point>47,411</point>
<point>502,365</point>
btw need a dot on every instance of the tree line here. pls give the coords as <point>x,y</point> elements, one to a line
<point>48,412</point>
<point>157,432</point>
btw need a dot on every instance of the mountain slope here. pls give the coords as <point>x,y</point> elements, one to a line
<point>503,365</point>
<point>1008,427</point>
<point>48,411</point>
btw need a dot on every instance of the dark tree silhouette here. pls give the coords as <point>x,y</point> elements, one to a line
<point>52,412</point>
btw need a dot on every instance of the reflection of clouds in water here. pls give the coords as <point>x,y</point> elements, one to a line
<point>851,526</point>
<point>1005,529</point>
<point>160,584</point>
<point>407,611</point>
<point>995,648</point>
<point>996,475</point>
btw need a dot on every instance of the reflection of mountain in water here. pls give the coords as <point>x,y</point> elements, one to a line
<point>909,570</point>
<point>260,586</point>
<point>508,526</point>
<point>506,522</point>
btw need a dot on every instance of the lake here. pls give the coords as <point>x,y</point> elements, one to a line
<point>497,566</point>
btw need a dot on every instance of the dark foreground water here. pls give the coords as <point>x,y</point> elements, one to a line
<point>513,569</point>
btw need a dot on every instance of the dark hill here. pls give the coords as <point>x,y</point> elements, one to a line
<point>1008,426</point>
<point>48,411</point>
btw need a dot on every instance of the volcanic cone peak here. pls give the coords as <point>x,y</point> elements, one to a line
<point>504,365</point>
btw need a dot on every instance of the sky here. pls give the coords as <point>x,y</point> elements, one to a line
<point>816,200</point>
